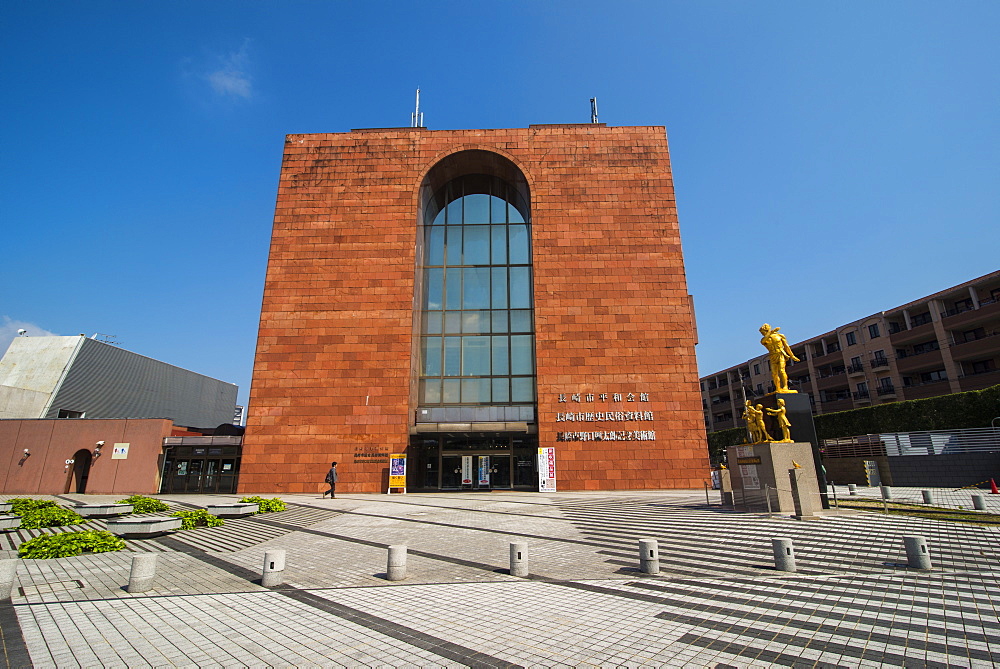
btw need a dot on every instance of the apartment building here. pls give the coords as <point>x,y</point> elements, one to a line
<point>948,342</point>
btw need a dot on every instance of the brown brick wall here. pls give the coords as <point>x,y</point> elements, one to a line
<point>332,374</point>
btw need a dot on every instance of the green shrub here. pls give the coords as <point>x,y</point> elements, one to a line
<point>19,505</point>
<point>199,518</point>
<point>266,505</point>
<point>719,441</point>
<point>69,544</point>
<point>975,408</point>
<point>48,516</point>
<point>143,504</point>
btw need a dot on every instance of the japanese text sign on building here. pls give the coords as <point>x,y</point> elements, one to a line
<point>603,397</point>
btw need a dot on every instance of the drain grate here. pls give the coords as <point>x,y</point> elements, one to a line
<point>50,588</point>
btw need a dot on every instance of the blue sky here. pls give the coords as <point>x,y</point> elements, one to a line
<point>831,160</point>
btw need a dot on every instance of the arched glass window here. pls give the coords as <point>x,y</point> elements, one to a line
<point>477,328</point>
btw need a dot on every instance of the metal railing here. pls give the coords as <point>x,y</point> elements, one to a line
<point>931,442</point>
<point>956,311</point>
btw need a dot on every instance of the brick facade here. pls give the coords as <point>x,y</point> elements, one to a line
<point>336,355</point>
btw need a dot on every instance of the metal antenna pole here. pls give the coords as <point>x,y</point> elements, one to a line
<point>417,118</point>
<point>593,110</point>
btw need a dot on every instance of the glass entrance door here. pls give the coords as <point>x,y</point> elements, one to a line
<point>476,471</point>
<point>474,461</point>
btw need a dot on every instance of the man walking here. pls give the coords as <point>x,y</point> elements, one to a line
<point>331,478</point>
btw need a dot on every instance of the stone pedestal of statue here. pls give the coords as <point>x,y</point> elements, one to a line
<point>760,474</point>
<point>798,411</point>
<point>726,487</point>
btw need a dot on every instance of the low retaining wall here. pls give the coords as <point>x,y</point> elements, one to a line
<point>913,471</point>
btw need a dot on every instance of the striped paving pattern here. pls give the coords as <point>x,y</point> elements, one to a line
<point>741,543</point>
<point>840,621</point>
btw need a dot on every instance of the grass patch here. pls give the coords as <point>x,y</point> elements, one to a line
<point>922,511</point>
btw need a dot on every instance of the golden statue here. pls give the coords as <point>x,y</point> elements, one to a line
<point>748,416</point>
<point>758,419</point>
<point>779,353</point>
<point>754,416</point>
<point>781,412</point>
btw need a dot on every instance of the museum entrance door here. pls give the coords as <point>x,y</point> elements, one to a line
<point>474,461</point>
<point>476,471</point>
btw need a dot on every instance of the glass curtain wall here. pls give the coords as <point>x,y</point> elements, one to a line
<point>477,329</point>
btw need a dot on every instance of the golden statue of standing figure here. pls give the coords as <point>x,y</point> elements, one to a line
<point>754,416</point>
<point>779,353</point>
<point>781,412</point>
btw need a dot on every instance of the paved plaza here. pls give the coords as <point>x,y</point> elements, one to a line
<point>717,601</point>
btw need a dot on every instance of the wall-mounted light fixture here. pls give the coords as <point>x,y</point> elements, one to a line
<point>27,452</point>
<point>69,462</point>
<point>97,449</point>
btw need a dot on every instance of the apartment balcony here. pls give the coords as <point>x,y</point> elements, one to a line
<point>979,380</point>
<point>834,380</point>
<point>885,391</point>
<point>921,391</point>
<point>827,358</point>
<point>842,404</point>
<point>914,334</point>
<point>862,397</point>
<point>856,369</point>
<point>918,361</point>
<point>722,424</point>
<point>879,363</point>
<point>966,318</point>
<point>983,345</point>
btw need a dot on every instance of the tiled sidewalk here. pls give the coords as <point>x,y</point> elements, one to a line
<point>717,601</point>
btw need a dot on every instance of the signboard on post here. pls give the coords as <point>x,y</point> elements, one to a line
<point>546,469</point>
<point>397,472</point>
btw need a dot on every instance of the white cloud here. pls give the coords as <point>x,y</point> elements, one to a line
<point>9,328</point>
<point>232,77</point>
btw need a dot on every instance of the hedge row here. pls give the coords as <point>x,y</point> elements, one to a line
<point>975,408</point>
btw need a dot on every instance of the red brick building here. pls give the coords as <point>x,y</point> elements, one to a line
<point>466,297</point>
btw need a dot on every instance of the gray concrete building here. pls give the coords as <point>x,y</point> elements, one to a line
<point>77,377</point>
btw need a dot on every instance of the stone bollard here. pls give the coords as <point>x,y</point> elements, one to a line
<point>396,568</point>
<point>886,492</point>
<point>784,554</point>
<point>143,572</point>
<point>8,569</point>
<point>978,502</point>
<point>274,568</point>
<point>917,556</point>
<point>852,489</point>
<point>519,559</point>
<point>649,556</point>
<point>928,496</point>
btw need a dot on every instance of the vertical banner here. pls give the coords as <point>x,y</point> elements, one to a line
<point>484,471</point>
<point>466,470</point>
<point>546,469</point>
<point>397,470</point>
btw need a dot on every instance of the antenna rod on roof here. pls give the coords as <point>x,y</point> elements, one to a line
<point>593,110</point>
<point>417,117</point>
